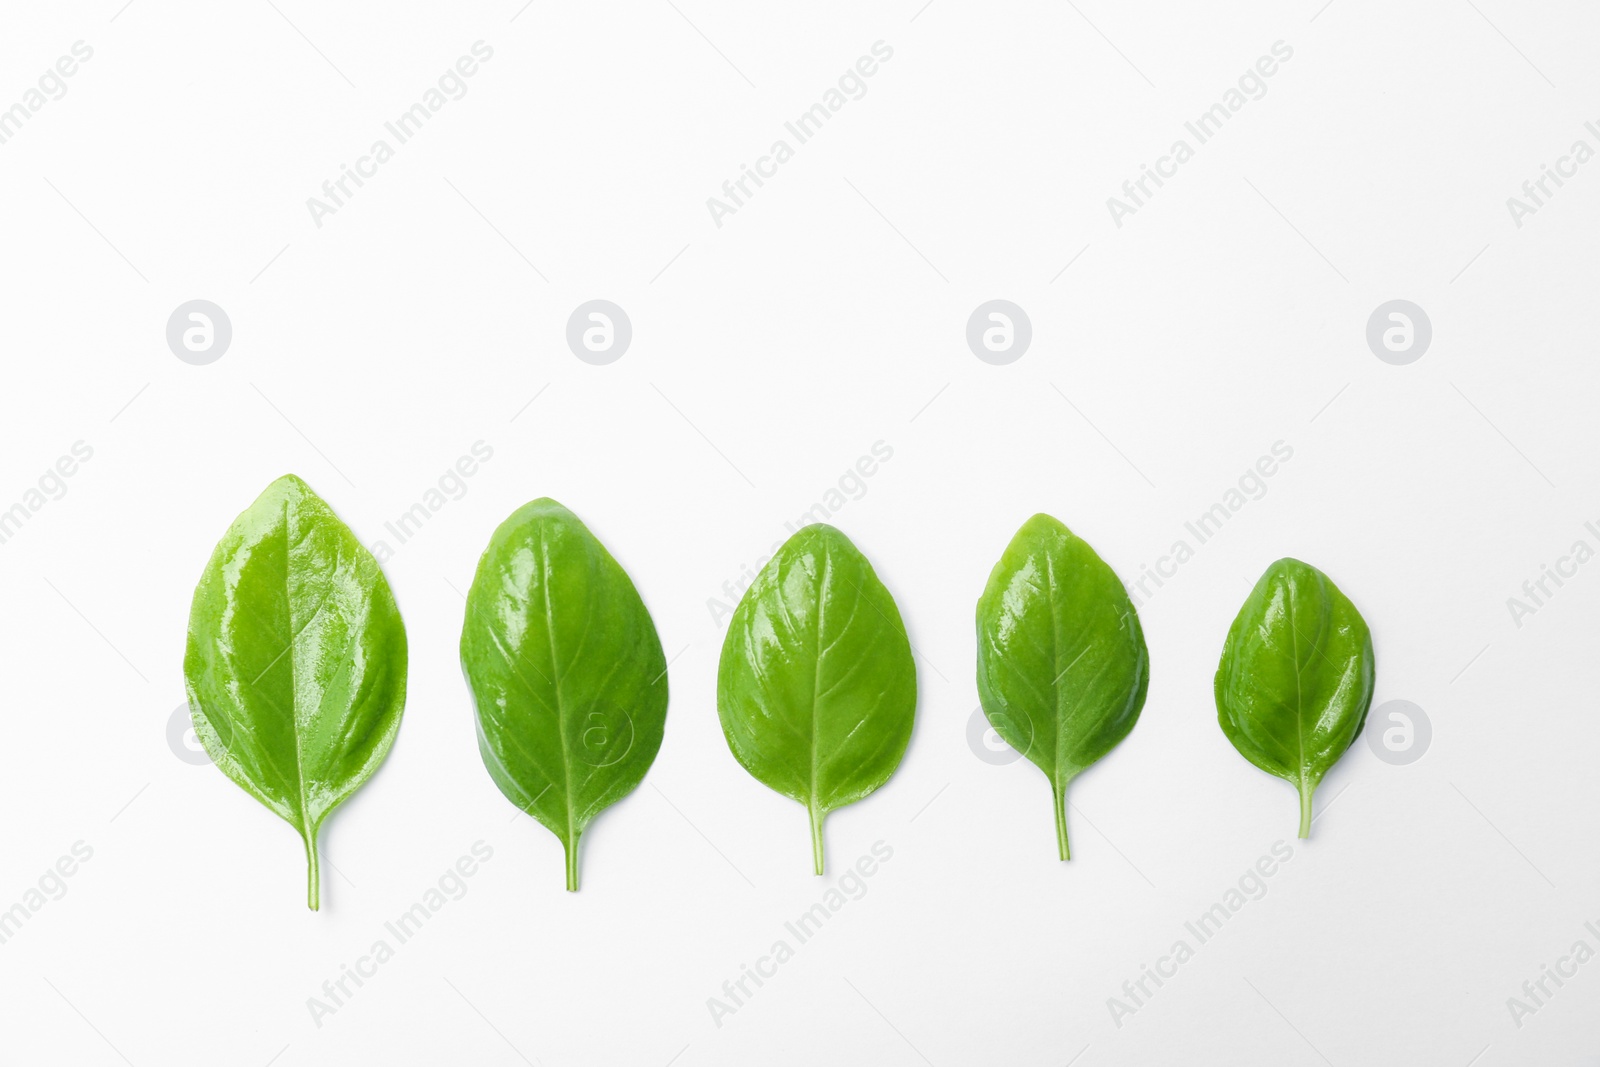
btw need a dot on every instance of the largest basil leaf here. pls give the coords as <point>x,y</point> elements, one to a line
<point>816,688</point>
<point>296,663</point>
<point>566,671</point>
<point>1296,677</point>
<point>1062,664</point>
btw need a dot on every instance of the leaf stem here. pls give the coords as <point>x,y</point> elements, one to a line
<point>816,835</point>
<point>1060,792</point>
<point>572,861</point>
<point>313,874</point>
<point>1307,789</point>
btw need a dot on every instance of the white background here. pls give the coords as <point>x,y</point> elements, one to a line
<point>768,355</point>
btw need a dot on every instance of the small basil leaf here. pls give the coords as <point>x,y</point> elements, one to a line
<point>566,671</point>
<point>296,662</point>
<point>1062,664</point>
<point>816,688</point>
<point>1296,677</point>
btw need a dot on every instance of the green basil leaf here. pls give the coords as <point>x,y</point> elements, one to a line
<point>816,689</point>
<point>566,671</point>
<point>1296,677</point>
<point>296,662</point>
<point>1062,663</point>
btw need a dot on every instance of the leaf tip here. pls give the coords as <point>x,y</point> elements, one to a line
<point>291,484</point>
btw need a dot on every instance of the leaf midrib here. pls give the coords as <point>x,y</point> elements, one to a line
<point>1299,693</point>
<point>294,688</point>
<point>816,667</point>
<point>555,681</point>
<point>1055,664</point>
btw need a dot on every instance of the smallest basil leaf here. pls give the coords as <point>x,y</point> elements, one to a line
<point>1296,677</point>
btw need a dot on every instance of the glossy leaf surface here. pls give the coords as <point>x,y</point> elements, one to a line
<point>566,672</point>
<point>1062,664</point>
<point>1296,677</point>
<point>816,688</point>
<point>296,661</point>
